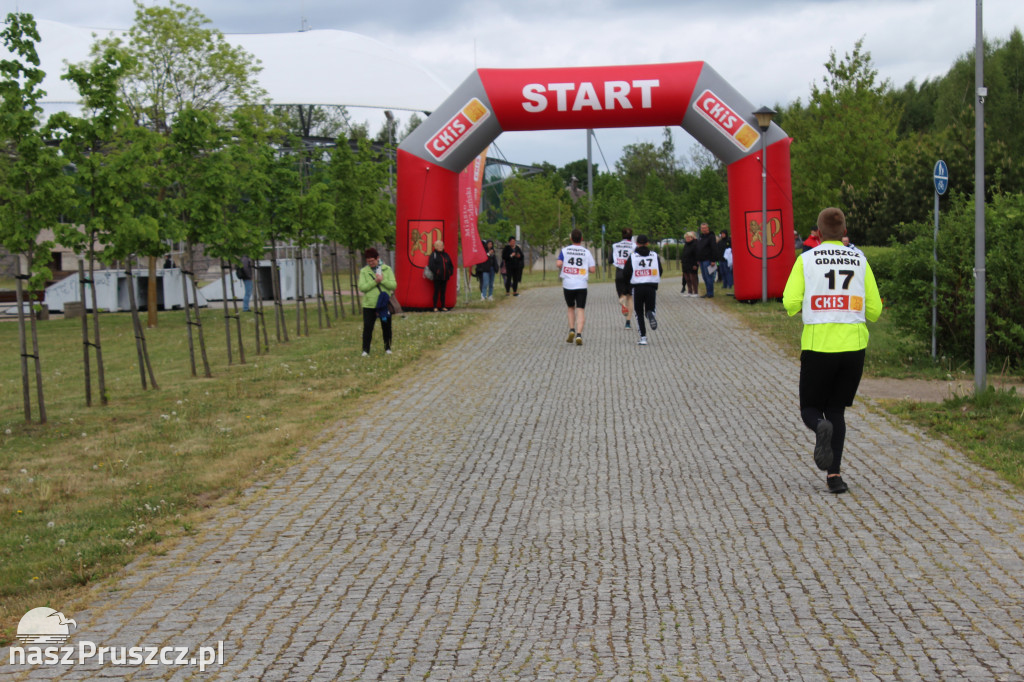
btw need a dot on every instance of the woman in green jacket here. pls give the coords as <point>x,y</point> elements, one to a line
<point>374,278</point>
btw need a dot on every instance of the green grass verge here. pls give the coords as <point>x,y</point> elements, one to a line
<point>988,428</point>
<point>83,494</point>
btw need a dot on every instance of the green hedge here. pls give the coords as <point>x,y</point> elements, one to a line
<point>904,276</point>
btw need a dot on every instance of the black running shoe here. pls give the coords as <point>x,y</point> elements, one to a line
<point>652,319</point>
<point>836,484</point>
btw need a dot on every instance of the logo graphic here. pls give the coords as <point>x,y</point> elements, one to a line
<point>754,232</point>
<point>43,633</point>
<point>422,235</point>
<point>837,302</point>
<point>726,120</point>
<point>44,625</point>
<point>455,130</point>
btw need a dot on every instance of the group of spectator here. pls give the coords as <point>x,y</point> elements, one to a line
<point>711,256</point>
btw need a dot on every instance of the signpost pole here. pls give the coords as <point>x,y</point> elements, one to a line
<point>941,178</point>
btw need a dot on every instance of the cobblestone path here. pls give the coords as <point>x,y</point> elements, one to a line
<point>538,510</point>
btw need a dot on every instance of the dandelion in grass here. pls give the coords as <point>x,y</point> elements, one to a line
<point>50,524</point>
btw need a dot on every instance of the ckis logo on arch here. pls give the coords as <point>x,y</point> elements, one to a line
<point>43,635</point>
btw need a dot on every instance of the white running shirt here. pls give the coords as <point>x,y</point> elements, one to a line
<point>645,268</point>
<point>834,285</point>
<point>621,251</point>
<point>576,263</point>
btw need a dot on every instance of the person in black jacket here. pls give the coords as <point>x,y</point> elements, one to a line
<point>512,261</point>
<point>644,268</point>
<point>690,264</point>
<point>707,255</point>
<point>440,264</point>
<point>486,271</point>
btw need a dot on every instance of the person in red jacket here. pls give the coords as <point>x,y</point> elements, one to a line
<point>813,239</point>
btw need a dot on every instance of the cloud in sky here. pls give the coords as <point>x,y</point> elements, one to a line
<point>771,51</point>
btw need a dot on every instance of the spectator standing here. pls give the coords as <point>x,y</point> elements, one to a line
<point>487,270</point>
<point>834,338</point>
<point>707,256</point>
<point>724,264</point>
<point>374,278</point>
<point>512,261</point>
<point>620,254</point>
<point>441,266</point>
<point>690,264</point>
<point>813,239</point>
<point>644,269</point>
<point>575,263</point>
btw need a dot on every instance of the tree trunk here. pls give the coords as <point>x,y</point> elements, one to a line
<point>225,280</point>
<point>336,282</point>
<point>26,391</point>
<point>275,280</point>
<point>353,281</point>
<point>257,309</point>
<point>100,371</point>
<point>186,272</point>
<point>140,333</point>
<point>237,315</point>
<point>85,333</point>
<point>199,321</point>
<point>39,366</point>
<point>321,298</point>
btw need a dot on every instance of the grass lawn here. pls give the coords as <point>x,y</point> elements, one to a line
<point>81,495</point>
<point>989,428</point>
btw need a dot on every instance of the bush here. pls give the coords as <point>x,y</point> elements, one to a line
<point>907,283</point>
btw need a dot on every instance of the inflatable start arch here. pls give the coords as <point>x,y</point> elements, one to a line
<point>689,94</point>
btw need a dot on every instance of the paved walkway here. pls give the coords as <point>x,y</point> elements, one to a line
<point>537,510</point>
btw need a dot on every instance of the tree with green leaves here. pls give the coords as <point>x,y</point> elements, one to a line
<point>846,132</point>
<point>541,206</point>
<point>363,212</point>
<point>115,164</point>
<point>180,64</point>
<point>34,187</point>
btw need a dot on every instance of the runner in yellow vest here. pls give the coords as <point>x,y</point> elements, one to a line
<point>834,287</point>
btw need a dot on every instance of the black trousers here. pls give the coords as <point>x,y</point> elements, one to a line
<point>645,297</point>
<point>828,385</point>
<point>369,319</point>
<point>512,280</point>
<point>440,286</point>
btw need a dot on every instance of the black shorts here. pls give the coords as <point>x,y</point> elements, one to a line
<point>622,285</point>
<point>575,298</point>
<point>830,379</point>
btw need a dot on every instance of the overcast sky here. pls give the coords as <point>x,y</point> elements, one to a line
<point>771,51</point>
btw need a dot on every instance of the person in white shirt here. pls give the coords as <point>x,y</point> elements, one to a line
<point>575,263</point>
<point>620,254</point>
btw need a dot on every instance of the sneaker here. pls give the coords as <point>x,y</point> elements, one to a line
<point>652,319</point>
<point>365,354</point>
<point>642,341</point>
<point>625,311</point>
<point>836,484</point>
<point>387,351</point>
<point>628,325</point>
<point>516,294</point>
<point>823,445</point>
<point>572,336</point>
<point>579,340</point>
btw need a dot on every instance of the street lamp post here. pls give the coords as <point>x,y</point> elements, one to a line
<point>764,121</point>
